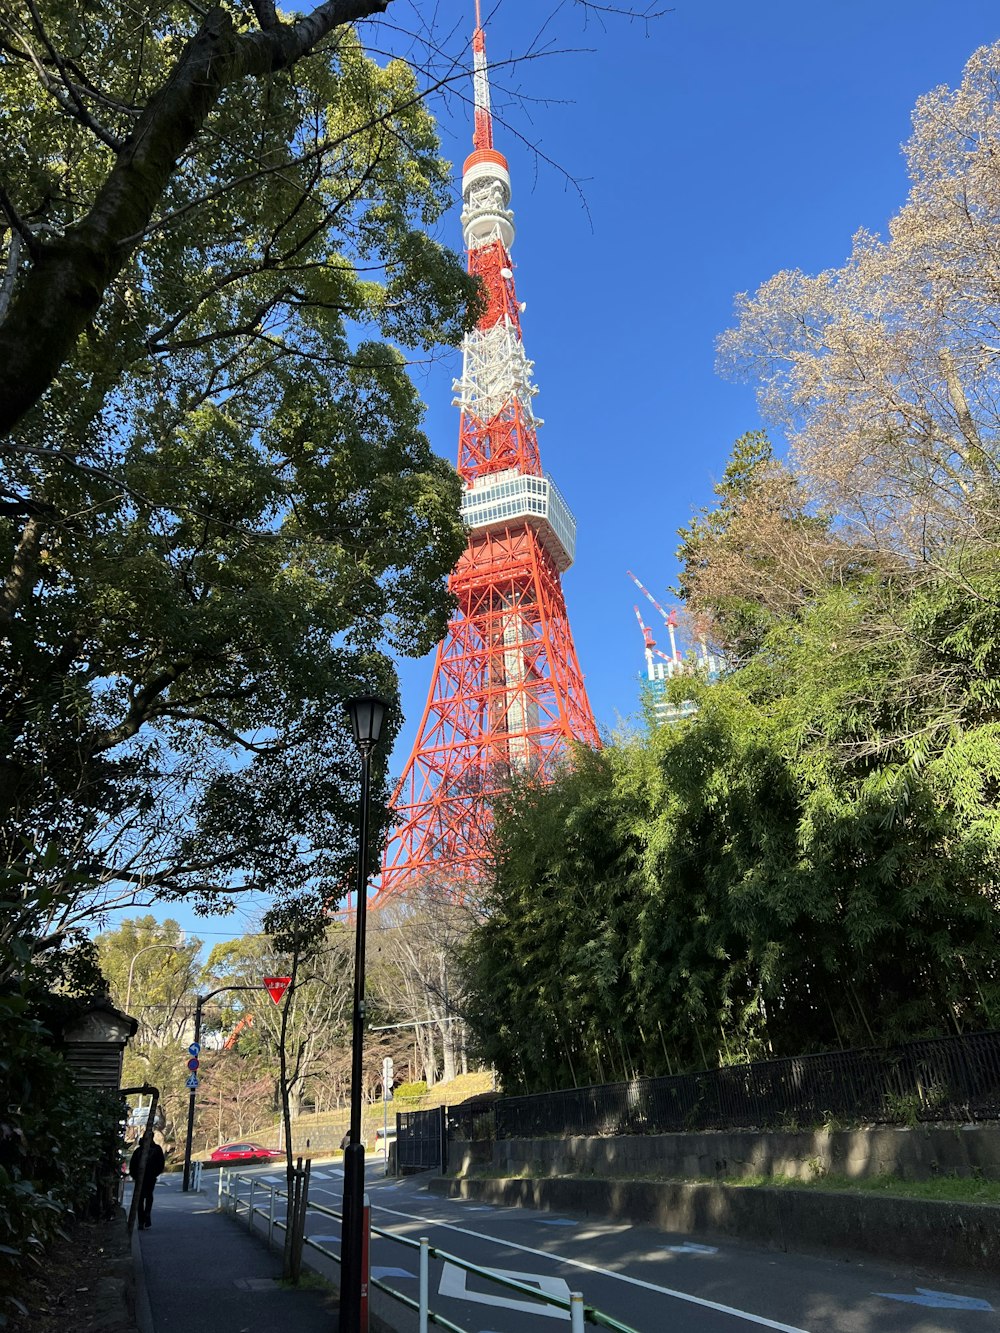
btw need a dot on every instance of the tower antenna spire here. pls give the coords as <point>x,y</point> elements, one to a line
<point>482,132</point>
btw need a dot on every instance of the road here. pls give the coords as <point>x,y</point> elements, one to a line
<point>654,1281</point>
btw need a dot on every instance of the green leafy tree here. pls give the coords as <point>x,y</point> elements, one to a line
<point>152,970</point>
<point>218,508</point>
<point>122,131</point>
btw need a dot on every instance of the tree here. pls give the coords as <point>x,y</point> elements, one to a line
<point>162,967</point>
<point>145,120</point>
<point>885,371</point>
<point>299,1036</point>
<point>762,554</point>
<point>217,505</point>
<point>414,944</point>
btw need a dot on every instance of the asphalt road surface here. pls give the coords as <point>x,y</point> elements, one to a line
<point>654,1281</point>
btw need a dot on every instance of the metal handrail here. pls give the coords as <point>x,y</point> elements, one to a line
<point>578,1311</point>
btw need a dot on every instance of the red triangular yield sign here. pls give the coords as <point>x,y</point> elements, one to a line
<point>276,987</point>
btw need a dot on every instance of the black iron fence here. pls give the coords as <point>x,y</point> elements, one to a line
<point>422,1140</point>
<point>938,1079</point>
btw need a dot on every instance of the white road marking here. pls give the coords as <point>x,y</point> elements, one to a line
<point>604,1272</point>
<point>937,1300</point>
<point>392,1272</point>
<point>692,1248</point>
<point>454,1282</point>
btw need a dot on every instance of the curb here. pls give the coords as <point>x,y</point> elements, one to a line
<point>143,1310</point>
<point>960,1236</point>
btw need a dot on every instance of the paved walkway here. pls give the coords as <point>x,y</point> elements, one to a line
<point>199,1271</point>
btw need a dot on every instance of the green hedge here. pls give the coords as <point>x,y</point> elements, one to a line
<point>60,1146</point>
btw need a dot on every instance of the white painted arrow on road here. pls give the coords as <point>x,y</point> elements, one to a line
<point>453,1283</point>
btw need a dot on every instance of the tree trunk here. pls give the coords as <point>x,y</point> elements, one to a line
<point>69,276</point>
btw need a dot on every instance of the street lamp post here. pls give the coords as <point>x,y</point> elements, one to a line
<point>192,1092</point>
<point>367,714</point>
<point>131,967</point>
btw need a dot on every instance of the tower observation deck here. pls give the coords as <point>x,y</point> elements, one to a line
<point>507,695</point>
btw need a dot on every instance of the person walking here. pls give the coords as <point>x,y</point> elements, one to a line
<point>155,1162</point>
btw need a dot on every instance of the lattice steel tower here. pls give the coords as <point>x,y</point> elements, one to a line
<point>507,694</point>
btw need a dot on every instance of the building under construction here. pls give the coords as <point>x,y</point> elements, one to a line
<point>662,668</point>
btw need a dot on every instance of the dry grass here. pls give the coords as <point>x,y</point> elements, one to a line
<point>442,1094</point>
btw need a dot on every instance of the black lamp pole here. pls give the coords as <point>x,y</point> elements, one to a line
<point>366,714</point>
<point>200,1000</point>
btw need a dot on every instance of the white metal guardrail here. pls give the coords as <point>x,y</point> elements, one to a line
<point>253,1205</point>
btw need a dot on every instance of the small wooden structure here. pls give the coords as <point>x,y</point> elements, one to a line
<point>94,1043</point>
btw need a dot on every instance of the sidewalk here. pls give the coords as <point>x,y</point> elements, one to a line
<point>199,1271</point>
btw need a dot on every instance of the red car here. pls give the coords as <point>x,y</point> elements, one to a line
<point>244,1152</point>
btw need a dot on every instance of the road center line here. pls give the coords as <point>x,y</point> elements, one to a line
<point>602,1272</point>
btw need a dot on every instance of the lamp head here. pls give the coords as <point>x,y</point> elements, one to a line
<point>367,713</point>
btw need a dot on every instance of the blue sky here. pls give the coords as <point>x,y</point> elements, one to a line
<point>713,147</point>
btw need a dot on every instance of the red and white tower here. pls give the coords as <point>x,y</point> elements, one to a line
<point>507,694</point>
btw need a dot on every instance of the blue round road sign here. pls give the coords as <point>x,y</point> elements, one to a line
<point>193,1065</point>
<point>194,1049</point>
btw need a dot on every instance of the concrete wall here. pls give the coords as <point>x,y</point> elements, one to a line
<point>943,1235</point>
<point>914,1154</point>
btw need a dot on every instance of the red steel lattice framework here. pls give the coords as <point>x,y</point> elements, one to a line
<point>507,694</point>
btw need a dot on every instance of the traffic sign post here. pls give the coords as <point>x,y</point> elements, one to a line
<point>386,1094</point>
<point>191,1082</point>
<point>276,987</point>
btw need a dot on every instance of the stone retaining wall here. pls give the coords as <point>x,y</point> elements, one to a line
<point>914,1154</point>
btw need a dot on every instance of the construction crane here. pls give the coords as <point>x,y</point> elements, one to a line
<point>245,1022</point>
<point>670,617</point>
<point>651,648</point>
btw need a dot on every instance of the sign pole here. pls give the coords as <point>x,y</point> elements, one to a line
<point>192,1093</point>
<point>192,1081</point>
